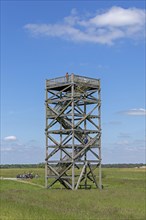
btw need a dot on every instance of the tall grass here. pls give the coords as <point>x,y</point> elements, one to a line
<point>123,197</point>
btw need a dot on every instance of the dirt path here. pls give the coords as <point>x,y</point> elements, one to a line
<point>21,181</point>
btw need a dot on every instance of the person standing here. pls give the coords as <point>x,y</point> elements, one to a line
<point>67,77</point>
<point>86,140</point>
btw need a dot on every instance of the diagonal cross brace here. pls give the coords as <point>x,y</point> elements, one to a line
<point>79,180</point>
<point>85,117</point>
<point>57,115</point>
<point>59,176</point>
<point>56,94</point>
<point>57,148</point>
<point>86,146</point>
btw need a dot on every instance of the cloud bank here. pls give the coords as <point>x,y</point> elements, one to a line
<point>101,28</point>
<point>17,152</point>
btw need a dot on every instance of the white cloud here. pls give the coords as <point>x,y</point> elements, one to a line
<point>10,138</point>
<point>104,28</point>
<point>120,17</point>
<point>134,112</point>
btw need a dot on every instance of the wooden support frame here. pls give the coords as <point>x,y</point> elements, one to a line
<point>73,132</point>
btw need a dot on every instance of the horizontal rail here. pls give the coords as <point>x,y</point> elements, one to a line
<point>76,79</point>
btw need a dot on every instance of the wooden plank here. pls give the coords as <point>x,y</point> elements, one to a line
<point>78,182</point>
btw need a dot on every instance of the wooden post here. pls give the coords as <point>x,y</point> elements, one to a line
<point>99,119</point>
<point>46,164</point>
<point>85,157</point>
<point>73,165</point>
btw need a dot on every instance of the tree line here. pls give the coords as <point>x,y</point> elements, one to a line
<point>42,165</point>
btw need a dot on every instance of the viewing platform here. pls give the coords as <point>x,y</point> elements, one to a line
<point>60,82</point>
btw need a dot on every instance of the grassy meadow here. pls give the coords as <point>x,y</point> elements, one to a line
<point>123,197</point>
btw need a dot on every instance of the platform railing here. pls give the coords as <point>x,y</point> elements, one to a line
<point>81,79</point>
<point>59,80</point>
<point>77,79</point>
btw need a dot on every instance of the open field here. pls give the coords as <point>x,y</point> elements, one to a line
<point>123,197</point>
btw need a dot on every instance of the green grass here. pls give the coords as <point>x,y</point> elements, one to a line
<point>123,197</point>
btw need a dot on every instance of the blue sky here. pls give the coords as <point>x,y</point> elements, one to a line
<point>46,39</point>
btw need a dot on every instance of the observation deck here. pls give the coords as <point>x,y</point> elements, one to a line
<point>61,82</point>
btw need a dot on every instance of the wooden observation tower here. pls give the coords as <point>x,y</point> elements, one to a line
<point>73,133</point>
